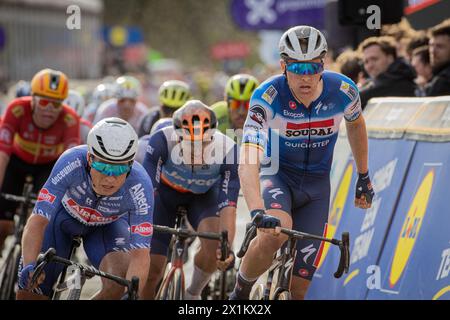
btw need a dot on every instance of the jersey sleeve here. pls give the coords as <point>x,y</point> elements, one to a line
<point>9,126</point>
<point>256,126</point>
<point>156,154</point>
<point>141,219</point>
<point>72,130</point>
<point>65,170</point>
<point>353,108</point>
<point>229,183</point>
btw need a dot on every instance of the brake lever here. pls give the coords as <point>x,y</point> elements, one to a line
<point>42,261</point>
<point>344,260</point>
<point>249,235</point>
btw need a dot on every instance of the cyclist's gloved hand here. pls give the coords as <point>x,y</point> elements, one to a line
<point>229,261</point>
<point>263,220</point>
<point>25,276</point>
<point>364,191</point>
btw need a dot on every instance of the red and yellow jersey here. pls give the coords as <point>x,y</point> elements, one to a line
<point>20,136</point>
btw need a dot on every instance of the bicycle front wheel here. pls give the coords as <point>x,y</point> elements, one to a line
<point>9,276</point>
<point>283,295</point>
<point>258,292</point>
<point>176,287</point>
<point>172,287</point>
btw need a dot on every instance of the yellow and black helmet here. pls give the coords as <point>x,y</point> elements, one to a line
<point>240,87</point>
<point>174,93</point>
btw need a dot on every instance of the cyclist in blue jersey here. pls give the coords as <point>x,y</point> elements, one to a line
<point>294,120</point>
<point>143,141</point>
<point>194,165</point>
<point>98,192</point>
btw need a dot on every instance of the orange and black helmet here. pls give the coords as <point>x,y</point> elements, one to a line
<point>51,84</point>
<point>194,121</point>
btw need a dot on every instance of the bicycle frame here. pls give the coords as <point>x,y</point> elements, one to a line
<point>11,263</point>
<point>282,263</point>
<point>81,272</point>
<point>174,274</point>
<point>285,257</point>
<point>176,261</point>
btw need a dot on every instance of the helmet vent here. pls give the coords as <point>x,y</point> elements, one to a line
<point>54,81</point>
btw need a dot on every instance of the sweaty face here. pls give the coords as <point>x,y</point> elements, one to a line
<point>126,108</point>
<point>376,61</point>
<point>303,86</point>
<point>439,50</point>
<point>105,185</point>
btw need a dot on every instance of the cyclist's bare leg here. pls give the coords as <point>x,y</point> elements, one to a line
<point>299,287</point>
<point>204,260</point>
<point>260,253</point>
<point>259,256</point>
<point>157,266</point>
<point>117,264</point>
<point>6,229</point>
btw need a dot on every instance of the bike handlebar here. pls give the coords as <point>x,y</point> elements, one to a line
<point>50,256</point>
<point>186,233</point>
<point>343,244</point>
<point>16,198</point>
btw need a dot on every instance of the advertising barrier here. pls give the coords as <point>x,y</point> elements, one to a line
<point>400,248</point>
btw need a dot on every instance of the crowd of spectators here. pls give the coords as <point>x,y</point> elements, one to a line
<point>401,62</point>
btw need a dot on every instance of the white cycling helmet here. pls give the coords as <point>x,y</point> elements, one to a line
<point>302,43</point>
<point>76,101</point>
<point>113,140</point>
<point>103,92</point>
<point>128,87</point>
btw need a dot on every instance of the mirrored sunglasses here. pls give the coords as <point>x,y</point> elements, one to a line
<point>111,169</point>
<point>305,68</point>
<point>236,104</point>
<point>44,103</point>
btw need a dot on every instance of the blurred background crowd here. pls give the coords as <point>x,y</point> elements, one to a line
<point>203,43</point>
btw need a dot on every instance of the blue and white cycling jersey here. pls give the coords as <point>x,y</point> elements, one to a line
<point>306,136</point>
<point>69,188</point>
<point>164,163</point>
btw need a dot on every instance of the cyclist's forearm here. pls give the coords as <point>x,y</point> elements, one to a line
<point>228,222</point>
<point>357,137</point>
<point>249,178</point>
<point>32,238</point>
<point>139,266</point>
<point>4,160</point>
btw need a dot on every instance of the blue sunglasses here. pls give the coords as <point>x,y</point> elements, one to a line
<point>305,68</point>
<point>111,169</point>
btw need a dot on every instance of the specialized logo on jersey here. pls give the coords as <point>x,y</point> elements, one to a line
<point>144,229</point>
<point>411,228</point>
<point>315,128</point>
<point>258,114</point>
<point>86,215</point>
<point>45,195</point>
<point>269,94</point>
<point>336,212</point>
